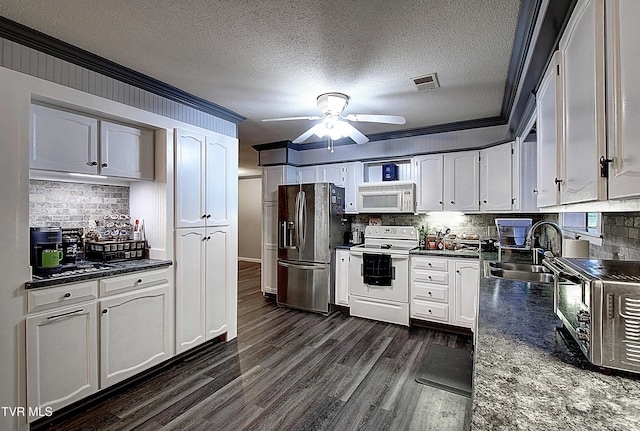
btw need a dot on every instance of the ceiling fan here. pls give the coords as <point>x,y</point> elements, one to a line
<point>335,125</point>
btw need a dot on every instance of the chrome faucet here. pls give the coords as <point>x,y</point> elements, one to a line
<point>530,236</point>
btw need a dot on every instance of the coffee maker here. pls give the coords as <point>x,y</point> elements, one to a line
<point>46,249</point>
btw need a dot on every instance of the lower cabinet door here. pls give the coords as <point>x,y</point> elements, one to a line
<point>62,358</point>
<point>467,280</point>
<point>135,333</point>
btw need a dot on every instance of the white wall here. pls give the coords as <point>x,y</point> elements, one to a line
<point>250,219</point>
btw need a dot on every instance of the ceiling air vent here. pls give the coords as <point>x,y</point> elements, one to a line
<point>426,82</point>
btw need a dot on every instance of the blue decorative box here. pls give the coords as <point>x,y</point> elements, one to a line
<point>389,172</point>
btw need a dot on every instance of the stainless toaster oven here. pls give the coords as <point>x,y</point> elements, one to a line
<point>598,302</point>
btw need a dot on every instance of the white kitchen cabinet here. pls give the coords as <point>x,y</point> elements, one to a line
<point>62,356</point>
<point>331,174</point>
<point>352,174</point>
<point>623,97</point>
<point>66,142</point>
<point>270,234</point>
<point>549,135</point>
<point>63,141</point>
<point>466,283</point>
<point>347,175</point>
<point>308,174</point>
<point>126,152</point>
<point>202,280</point>
<point>444,290</point>
<point>272,177</point>
<point>582,72</point>
<point>135,332</point>
<point>342,277</point>
<point>204,180</point>
<point>496,178</point>
<point>461,178</point>
<point>429,177</point>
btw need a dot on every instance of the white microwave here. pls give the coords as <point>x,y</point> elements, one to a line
<point>387,197</point>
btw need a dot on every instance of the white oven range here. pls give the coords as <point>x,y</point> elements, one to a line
<point>379,274</point>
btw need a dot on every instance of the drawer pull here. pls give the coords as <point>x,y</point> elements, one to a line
<point>429,311</point>
<point>429,293</point>
<point>429,264</point>
<point>139,281</point>
<point>67,295</point>
<point>105,311</point>
<point>60,316</point>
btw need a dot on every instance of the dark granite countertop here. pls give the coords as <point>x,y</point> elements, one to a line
<point>461,253</point>
<point>116,268</point>
<point>530,375</point>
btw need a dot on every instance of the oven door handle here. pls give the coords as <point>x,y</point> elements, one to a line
<point>561,273</point>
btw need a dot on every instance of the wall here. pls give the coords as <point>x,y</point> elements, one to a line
<point>620,237</point>
<point>250,219</point>
<point>71,205</point>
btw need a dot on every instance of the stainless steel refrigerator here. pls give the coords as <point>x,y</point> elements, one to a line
<point>310,227</point>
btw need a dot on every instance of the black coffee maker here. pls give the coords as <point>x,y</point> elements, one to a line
<point>46,249</point>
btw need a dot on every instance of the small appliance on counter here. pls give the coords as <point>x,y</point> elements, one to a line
<point>598,302</point>
<point>72,247</point>
<point>46,249</point>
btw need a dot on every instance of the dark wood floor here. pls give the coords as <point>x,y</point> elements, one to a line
<point>290,370</point>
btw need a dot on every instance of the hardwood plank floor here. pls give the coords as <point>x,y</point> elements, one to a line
<point>290,370</point>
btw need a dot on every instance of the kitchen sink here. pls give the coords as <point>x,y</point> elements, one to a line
<point>518,271</point>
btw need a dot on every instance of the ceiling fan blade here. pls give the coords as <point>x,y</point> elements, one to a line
<point>374,118</point>
<point>306,135</point>
<point>355,134</point>
<point>313,117</point>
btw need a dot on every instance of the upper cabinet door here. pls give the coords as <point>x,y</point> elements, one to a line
<point>461,191</point>
<point>126,152</point>
<point>221,188</point>
<point>62,141</point>
<point>549,136</point>
<point>623,102</point>
<point>190,156</point>
<point>495,178</point>
<point>429,182</point>
<point>583,89</point>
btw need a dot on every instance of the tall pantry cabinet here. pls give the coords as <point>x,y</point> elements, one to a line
<point>206,194</point>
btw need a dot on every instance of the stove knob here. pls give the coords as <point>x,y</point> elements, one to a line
<point>583,334</point>
<point>583,316</point>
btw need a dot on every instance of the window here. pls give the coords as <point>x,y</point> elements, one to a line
<point>585,225</point>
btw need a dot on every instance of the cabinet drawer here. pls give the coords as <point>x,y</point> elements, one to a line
<point>429,292</point>
<point>135,280</point>
<point>429,263</point>
<point>431,311</point>
<point>52,297</point>
<point>437,277</point>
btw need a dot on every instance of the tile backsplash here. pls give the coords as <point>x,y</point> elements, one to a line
<point>69,205</point>
<point>620,237</point>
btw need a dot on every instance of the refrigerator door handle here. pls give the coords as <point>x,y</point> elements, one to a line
<point>303,210</point>
<point>297,220</point>
<point>302,266</point>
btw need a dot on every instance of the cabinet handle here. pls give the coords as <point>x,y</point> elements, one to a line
<point>484,201</point>
<point>429,293</point>
<point>558,182</point>
<point>452,202</point>
<point>59,316</point>
<point>208,215</point>
<point>429,277</point>
<point>105,311</point>
<point>429,264</point>
<point>604,166</point>
<point>440,202</point>
<point>458,271</point>
<point>139,281</point>
<point>105,165</point>
<point>94,163</point>
<point>67,295</point>
<point>203,216</point>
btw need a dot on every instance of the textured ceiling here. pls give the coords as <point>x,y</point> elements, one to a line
<point>268,58</point>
